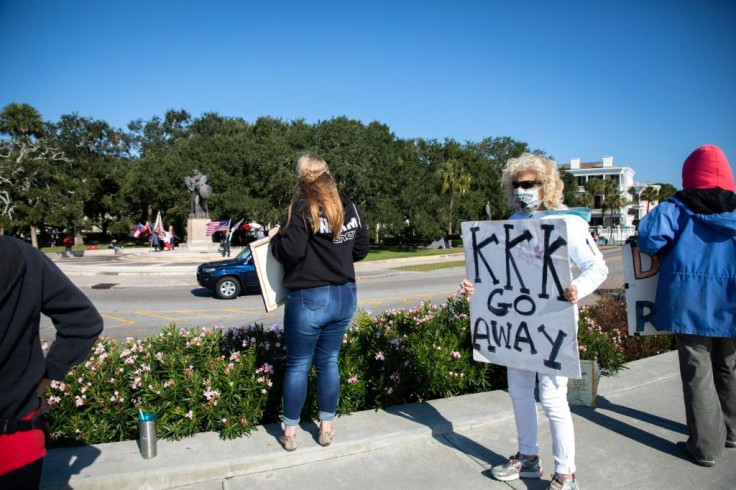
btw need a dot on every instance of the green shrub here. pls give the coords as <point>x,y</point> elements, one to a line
<point>230,381</point>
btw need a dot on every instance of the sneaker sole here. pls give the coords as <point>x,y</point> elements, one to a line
<point>523,474</point>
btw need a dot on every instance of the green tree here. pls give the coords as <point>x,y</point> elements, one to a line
<point>99,154</point>
<point>605,188</point>
<point>665,192</point>
<point>455,182</point>
<point>649,194</point>
<point>35,172</point>
<point>570,191</point>
<point>21,121</point>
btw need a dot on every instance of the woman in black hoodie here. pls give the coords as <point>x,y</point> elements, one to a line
<point>322,237</point>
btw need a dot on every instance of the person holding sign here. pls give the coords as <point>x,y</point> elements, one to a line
<point>323,235</point>
<point>533,185</point>
<point>694,235</point>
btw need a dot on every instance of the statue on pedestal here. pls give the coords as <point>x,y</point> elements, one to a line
<point>199,192</point>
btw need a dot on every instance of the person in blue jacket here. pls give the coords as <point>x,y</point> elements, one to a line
<point>694,235</point>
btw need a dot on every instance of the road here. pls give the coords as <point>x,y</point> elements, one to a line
<point>140,306</point>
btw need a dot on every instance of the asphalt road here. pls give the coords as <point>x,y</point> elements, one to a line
<point>142,305</point>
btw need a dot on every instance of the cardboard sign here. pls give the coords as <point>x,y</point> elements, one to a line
<point>519,316</point>
<point>270,274</point>
<point>641,273</point>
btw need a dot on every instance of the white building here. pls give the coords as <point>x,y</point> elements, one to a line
<point>620,223</point>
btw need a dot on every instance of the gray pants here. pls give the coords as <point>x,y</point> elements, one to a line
<point>708,371</point>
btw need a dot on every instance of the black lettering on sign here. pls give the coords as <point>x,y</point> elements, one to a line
<point>501,337</point>
<point>477,254</point>
<point>548,264</point>
<point>556,344</point>
<point>526,235</point>
<point>522,336</point>
<point>501,309</point>
<point>484,335</point>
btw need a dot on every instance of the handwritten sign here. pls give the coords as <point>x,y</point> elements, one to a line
<point>641,273</point>
<point>519,316</point>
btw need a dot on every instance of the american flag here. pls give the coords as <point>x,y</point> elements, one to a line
<point>214,226</point>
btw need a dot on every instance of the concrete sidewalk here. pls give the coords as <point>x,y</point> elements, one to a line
<point>628,441</point>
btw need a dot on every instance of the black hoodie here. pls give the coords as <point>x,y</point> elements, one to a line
<point>312,260</point>
<point>31,284</point>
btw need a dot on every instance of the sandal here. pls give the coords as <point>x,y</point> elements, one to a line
<point>288,442</point>
<point>325,438</point>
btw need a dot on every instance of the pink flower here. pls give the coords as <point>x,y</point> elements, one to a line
<point>354,379</point>
<point>210,394</point>
<point>189,415</point>
<point>379,356</point>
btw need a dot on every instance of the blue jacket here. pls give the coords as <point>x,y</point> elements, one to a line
<point>696,291</point>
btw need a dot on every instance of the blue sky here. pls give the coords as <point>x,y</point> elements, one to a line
<point>644,81</point>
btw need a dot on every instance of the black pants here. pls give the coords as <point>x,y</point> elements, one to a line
<point>26,477</point>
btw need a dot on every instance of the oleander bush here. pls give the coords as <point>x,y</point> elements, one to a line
<point>230,380</point>
<point>603,335</point>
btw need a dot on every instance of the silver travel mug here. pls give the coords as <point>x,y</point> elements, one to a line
<point>147,430</point>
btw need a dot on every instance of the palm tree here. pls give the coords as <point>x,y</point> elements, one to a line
<point>585,199</point>
<point>650,194</point>
<point>20,121</point>
<point>455,180</point>
<point>616,201</point>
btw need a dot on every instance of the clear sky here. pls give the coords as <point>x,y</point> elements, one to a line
<point>646,81</point>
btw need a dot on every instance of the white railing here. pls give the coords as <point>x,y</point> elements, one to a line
<point>614,236</point>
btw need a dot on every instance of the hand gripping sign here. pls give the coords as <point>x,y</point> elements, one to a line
<point>519,316</point>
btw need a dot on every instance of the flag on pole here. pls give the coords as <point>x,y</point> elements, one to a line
<point>140,229</point>
<point>233,228</point>
<point>158,226</point>
<point>215,226</point>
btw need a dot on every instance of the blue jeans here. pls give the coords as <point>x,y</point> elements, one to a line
<point>315,322</point>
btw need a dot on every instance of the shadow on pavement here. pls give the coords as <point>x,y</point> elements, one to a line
<point>72,461</point>
<point>444,433</point>
<point>597,416</point>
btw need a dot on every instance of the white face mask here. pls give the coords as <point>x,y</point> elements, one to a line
<point>527,199</point>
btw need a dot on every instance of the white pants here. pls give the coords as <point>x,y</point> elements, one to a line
<point>553,396</point>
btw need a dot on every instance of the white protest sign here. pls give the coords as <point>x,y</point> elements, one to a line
<point>641,273</point>
<point>519,316</point>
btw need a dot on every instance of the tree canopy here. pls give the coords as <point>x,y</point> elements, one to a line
<point>78,173</point>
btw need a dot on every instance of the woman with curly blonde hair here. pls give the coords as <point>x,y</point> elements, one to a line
<point>533,186</point>
<point>322,237</point>
<point>546,174</point>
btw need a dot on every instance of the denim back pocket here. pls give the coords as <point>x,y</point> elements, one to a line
<point>315,299</point>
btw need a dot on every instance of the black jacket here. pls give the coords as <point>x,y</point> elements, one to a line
<point>312,260</point>
<point>31,284</point>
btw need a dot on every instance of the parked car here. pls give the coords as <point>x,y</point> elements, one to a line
<point>228,278</point>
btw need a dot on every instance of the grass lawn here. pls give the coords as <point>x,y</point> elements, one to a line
<point>431,267</point>
<point>383,254</point>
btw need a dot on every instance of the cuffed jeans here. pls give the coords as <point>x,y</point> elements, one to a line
<point>708,372</point>
<point>315,322</point>
<point>553,396</point>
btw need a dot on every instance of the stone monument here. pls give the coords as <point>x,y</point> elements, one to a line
<point>199,192</point>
